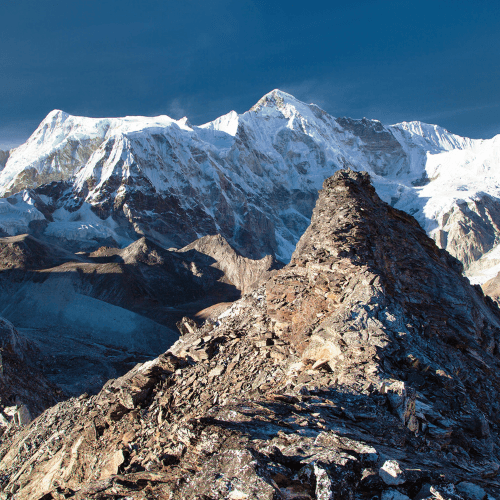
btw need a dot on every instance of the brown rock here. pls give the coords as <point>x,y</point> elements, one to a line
<point>274,429</point>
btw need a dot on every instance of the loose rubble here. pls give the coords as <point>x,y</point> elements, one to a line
<point>366,368</point>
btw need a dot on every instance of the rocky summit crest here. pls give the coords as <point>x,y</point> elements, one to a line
<point>367,367</point>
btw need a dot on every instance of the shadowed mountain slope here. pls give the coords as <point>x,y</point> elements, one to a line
<point>24,252</point>
<point>24,391</point>
<point>366,367</point>
<point>95,315</point>
<point>244,273</point>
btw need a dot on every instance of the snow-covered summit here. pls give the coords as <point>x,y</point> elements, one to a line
<point>62,144</point>
<point>281,104</point>
<point>276,99</point>
<point>252,177</point>
<point>275,104</point>
<point>434,135</point>
<point>226,123</point>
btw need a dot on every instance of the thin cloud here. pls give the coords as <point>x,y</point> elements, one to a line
<point>176,109</point>
<point>337,95</point>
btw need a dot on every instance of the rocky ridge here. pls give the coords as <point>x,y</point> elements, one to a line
<point>24,391</point>
<point>367,367</point>
<point>242,272</point>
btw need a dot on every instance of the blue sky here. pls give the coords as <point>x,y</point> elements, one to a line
<point>436,61</point>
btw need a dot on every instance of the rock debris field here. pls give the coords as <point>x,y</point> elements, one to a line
<point>366,368</point>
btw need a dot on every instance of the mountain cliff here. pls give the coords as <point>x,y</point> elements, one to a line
<point>4,156</point>
<point>368,366</point>
<point>253,178</point>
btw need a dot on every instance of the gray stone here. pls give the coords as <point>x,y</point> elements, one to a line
<point>22,416</point>
<point>393,495</point>
<point>471,490</point>
<point>217,371</point>
<point>324,486</point>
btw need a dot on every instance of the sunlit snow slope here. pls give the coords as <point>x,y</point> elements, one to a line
<point>252,177</point>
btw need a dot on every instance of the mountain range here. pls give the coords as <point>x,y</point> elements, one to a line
<point>252,178</point>
<point>331,344</point>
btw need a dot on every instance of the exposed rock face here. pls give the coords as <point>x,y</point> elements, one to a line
<point>470,230</point>
<point>24,390</point>
<point>95,315</point>
<point>367,366</point>
<point>492,288</point>
<point>244,273</point>
<point>253,178</point>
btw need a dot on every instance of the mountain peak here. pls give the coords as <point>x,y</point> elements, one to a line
<point>280,94</point>
<point>227,123</point>
<point>184,122</point>
<point>276,99</point>
<point>422,128</point>
<point>438,136</point>
<point>55,115</point>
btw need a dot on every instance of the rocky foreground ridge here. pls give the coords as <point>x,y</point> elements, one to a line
<point>366,368</point>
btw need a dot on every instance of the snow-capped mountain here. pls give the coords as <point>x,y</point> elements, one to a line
<point>253,178</point>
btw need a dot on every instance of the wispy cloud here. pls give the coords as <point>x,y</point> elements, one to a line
<point>198,107</point>
<point>176,109</point>
<point>334,94</point>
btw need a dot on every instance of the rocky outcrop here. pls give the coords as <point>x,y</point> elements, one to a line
<point>240,271</point>
<point>24,391</point>
<point>25,253</point>
<point>366,367</point>
<point>4,156</point>
<point>492,288</point>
